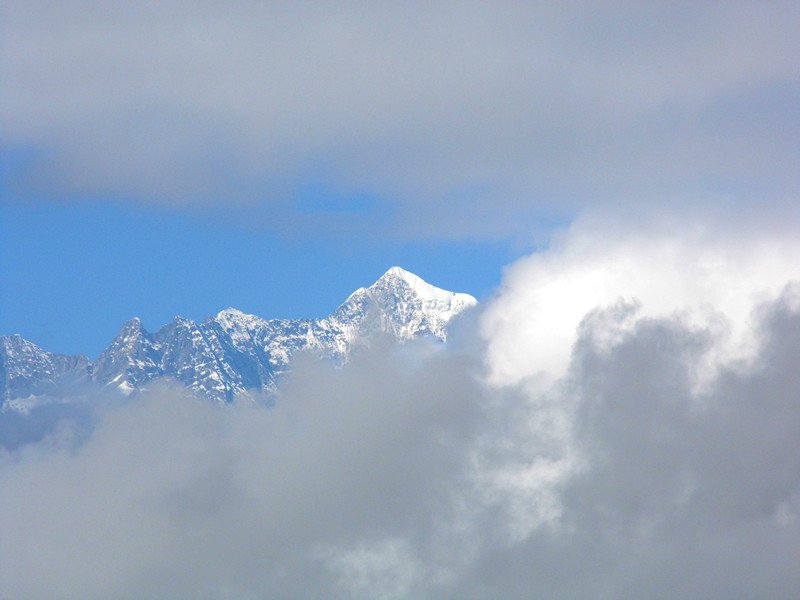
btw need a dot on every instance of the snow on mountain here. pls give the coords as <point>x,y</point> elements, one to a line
<point>131,358</point>
<point>30,375</point>
<point>402,304</point>
<point>234,353</point>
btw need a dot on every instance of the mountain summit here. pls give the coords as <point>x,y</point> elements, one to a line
<point>233,353</point>
<point>402,304</point>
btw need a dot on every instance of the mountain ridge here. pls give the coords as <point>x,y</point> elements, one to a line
<point>232,353</point>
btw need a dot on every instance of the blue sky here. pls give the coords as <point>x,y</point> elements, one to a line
<point>179,159</point>
<point>72,274</point>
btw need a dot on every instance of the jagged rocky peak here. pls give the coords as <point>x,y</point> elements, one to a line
<point>234,353</point>
<point>421,287</point>
<point>133,325</point>
<point>132,334</point>
<point>397,277</point>
<point>233,319</point>
<point>29,374</point>
<point>27,357</point>
<point>402,304</point>
<point>233,314</point>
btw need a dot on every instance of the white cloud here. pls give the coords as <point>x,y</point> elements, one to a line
<point>702,273</point>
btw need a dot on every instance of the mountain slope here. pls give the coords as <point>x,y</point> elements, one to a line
<point>30,375</point>
<point>234,353</point>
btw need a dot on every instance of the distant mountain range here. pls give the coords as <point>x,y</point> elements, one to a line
<point>230,354</point>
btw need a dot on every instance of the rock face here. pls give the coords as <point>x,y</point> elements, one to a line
<point>233,353</point>
<point>30,375</point>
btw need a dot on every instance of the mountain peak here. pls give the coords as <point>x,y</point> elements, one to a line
<point>399,272</point>
<point>420,287</point>
<point>233,318</point>
<point>231,312</point>
<point>402,304</point>
<point>179,320</point>
<point>415,282</point>
<point>132,327</point>
<point>234,352</point>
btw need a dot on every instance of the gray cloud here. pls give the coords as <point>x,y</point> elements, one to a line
<point>170,496</point>
<point>405,474</point>
<point>506,113</point>
<point>690,485</point>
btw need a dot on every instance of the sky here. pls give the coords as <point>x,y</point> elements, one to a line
<point>163,160</point>
<point>616,182</point>
<point>72,275</point>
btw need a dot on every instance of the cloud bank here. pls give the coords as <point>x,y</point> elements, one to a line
<point>612,471</point>
<point>445,121</point>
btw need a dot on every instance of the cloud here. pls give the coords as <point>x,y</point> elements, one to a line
<point>670,492</point>
<point>171,496</point>
<point>698,269</point>
<point>415,472</point>
<point>686,485</point>
<point>454,121</point>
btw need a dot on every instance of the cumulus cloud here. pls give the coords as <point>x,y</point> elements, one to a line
<point>443,121</point>
<point>686,486</point>
<point>705,272</point>
<point>420,473</point>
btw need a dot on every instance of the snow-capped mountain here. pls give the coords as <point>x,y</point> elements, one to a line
<point>30,375</point>
<point>402,304</point>
<point>233,353</point>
